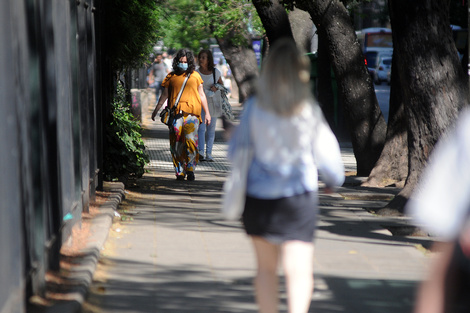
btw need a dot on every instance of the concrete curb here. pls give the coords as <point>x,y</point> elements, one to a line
<point>99,230</point>
<point>73,287</point>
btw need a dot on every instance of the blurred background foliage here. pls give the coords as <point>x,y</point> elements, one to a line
<point>192,24</point>
<point>131,30</point>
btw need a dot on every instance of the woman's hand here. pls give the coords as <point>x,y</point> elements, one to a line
<point>213,88</point>
<point>162,100</point>
<point>207,120</point>
<point>202,95</point>
<point>154,113</point>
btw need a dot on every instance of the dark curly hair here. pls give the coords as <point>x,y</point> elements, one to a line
<point>190,58</point>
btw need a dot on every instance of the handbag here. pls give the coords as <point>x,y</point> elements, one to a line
<point>233,202</point>
<point>168,115</point>
<point>234,196</point>
<point>226,107</point>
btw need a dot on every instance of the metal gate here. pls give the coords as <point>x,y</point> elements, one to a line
<point>50,136</point>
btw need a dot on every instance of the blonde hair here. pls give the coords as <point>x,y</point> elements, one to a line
<point>284,84</point>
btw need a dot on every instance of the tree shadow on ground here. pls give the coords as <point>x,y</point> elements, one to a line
<point>175,203</point>
<point>140,287</point>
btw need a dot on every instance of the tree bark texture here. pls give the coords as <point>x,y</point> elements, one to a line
<point>242,61</point>
<point>365,120</point>
<point>274,17</point>
<point>432,80</point>
<point>302,28</point>
<point>241,58</point>
<point>392,166</point>
<point>325,90</point>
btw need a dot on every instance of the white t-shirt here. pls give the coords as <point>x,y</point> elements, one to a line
<point>288,151</point>
<point>214,99</point>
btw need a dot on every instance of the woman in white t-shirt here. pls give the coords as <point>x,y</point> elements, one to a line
<point>210,75</point>
<point>291,143</point>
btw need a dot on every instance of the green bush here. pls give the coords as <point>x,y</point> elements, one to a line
<point>125,154</point>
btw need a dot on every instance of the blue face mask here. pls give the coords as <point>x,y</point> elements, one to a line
<point>183,66</point>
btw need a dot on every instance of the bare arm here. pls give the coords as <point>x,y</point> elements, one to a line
<point>200,89</point>
<point>162,100</point>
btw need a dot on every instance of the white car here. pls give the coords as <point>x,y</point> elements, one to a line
<point>382,71</point>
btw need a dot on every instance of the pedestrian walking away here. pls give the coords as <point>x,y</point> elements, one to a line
<point>183,131</point>
<point>158,72</point>
<point>291,141</point>
<point>211,76</point>
<point>168,60</point>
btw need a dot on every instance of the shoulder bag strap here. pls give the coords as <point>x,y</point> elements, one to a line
<point>181,91</point>
<point>213,74</point>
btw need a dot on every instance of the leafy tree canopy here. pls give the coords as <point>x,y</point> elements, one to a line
<point>190,24</point>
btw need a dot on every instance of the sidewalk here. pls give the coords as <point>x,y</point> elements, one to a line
<point>170,251</point>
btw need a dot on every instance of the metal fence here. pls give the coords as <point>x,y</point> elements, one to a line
<point>50,135</point>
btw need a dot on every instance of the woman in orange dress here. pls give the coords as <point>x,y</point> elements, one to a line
<point>184,130</point>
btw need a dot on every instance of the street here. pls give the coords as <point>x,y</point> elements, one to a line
<point>383,95</point>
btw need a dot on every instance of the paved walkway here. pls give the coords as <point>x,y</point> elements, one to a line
<point>170,251</point>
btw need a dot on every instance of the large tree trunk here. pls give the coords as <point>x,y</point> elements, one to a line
<point>356,91</point>
<point>274,18</point>
<point>325,90</point>
<point>392,166</point>
<point>242,61</point>
<point>240,57</point>
<point>432,80</point>
<point>302,28</point>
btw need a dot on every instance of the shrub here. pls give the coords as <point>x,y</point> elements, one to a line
<point>125,154</point>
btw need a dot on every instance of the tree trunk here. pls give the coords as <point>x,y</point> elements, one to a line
<point>274,18</point>
<point>242,61</point>
<point>302,28</point>
<point>325,90</point>
<point>392,166</point>
<point>240,56</point>
<point>356,91</point>
<point>432,80</point>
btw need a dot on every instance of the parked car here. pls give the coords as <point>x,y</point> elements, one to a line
<point>372,58</point>
<point>382,70</point>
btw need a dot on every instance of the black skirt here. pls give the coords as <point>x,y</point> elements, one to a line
<point>279,220</point>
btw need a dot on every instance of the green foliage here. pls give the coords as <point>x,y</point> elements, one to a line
<point>125,153</point>
<point>130,31</point>
<point>234,18</point>
<point>181,27</point>
<point>191,24</point>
